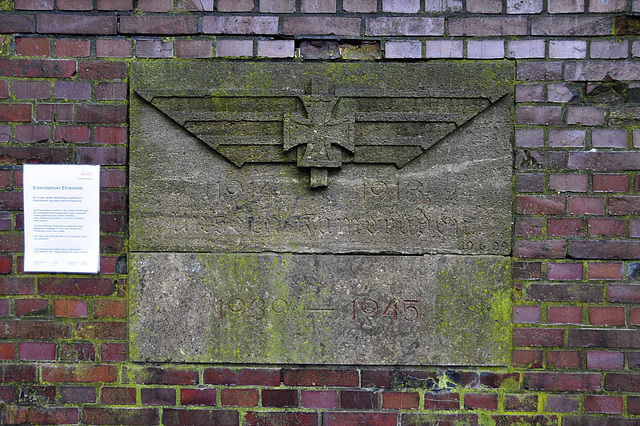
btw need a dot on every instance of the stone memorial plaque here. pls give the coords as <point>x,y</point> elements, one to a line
<point>407,165</point>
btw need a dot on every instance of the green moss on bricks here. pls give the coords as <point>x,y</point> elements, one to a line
<point>6,4</point>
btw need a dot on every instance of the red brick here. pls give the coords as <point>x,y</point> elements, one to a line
<point>539,71</point>
<point>538,204</point>
<point>111,91</point>
<point>37,351</point>
<point>155,5</point>
<point>613,249</point>
<point>118,396</point>
<point>16,23</point>
<point>112,201</point>
<point>401,400</point>
<point>539,115</point>
<point>72,48</point>
<point>564,271</point>
<point>609,138</point>
<point>43,415</point>
<point>604,338</point>
<point>320,377</point>
<point>31,307</point>
<point>527,314</point>
<point>112,308</point>
<point>32,46</point>
<point>585,205</point>
<point>51,112</point>
<point>113,352</point>
<point>78,395</point>
<point>604,161</point>
<point>571,26</point>
<point>75,4</point>
<point>79,373</point>
<point>72,134</point>
<point>308,26</point>
<point>37,68</point>
<point>568,182</point>
<point>76,286</point>
<point>112,178</point>
<point>339,418</point>
<point>239,397</point>
<point>160,376</point>
<point>34,330</point>
<point>106,70</point>
<point>521,402</point>
<point>482,401</point>
<point>564,315</point>
<point>72,90</point>
<point>564,359</point>
<point>12,243</point>
<point>15,112</point>
<point>102,330</point>
<point>161,25</point>
<point>605,271</point>
<point>622,382</point>
<point>17,373</point>
<point>70,308</point>
<point>603,404</point>
<point>319,399</point>
<point>529,226</point>
<point>567,138</point>
<point>606,227</point>
<point>563,381</point>
<point>562,404</point>
<point>179,417</point>
<point>198,396</point>
<point>105,156</point>
<point>158,396</point>
<point>606,316</point>
<point>115,5</point>
<point>113,48</point>
<point>633,404</point>
<point>441,401</point>
<point>33,133</point>
<point>551,249</point>
<point>193,48</point>
<point>33,4</point>
<point>4,90</point>
<point>282,418</point>
<point>634,316</point>
<point>565,227</point>
<point>76,24</point>
<point>121,416</point>
<point>242,377</point>
<point>196,5</point>
<point>7,351</point>
<point>527,270</point>
<point>110,135</point>
<point>279,398</point>
<point>538,337</point>
<point>605,360</point>
<point>77,352</point>
<point>4,307</point>
<point>101,113</point>
<point>359,400</point>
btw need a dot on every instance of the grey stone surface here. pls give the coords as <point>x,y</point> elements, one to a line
<point>321,157</point>
<point>320,309</point>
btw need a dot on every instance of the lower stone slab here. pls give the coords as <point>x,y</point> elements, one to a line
<point>320,309</point>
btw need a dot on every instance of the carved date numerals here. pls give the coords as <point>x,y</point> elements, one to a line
<point>407,310</point>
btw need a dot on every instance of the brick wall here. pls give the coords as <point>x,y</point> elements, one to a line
<point>576,298</point>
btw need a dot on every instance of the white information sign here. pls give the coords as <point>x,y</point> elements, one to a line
<point>61,218</point>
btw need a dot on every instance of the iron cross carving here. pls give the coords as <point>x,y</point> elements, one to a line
<point>319,128</point>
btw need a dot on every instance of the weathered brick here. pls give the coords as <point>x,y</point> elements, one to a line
<point>335,418</point>
<point>411,419</point>
<point>547,337</point>
<point>564,271</point>
<point>115,4</point>
<point>430,6</point>
<point>622,382</point>
<point>320,377</point>
<point>32,46</point>
<point>610,182</point>
<point>102,330</point>
<point>401,400</point>
<point>524,49</point>
<point>571,26</point>
<point>96,70</point>
<point>72,90</point>
<point>527,270</point>
<point>487,26</point>
<point>607,6</point>
<point>629,293</point>
<point>277,6</point>
<point>585,205</point>
<point>605,161</point>
<point>604,249</point>
<point>113,48</point>
<point>560,93</point>
<point>108,91</point>
<point>70,308</point>
<point>483,401</point>
<point>518,7</point>
<point>36,351</point>
<point>195,5</point>
<point>360,400</point>
<point>31,307</point>
<point>78,395</point>
<point>279,398</point>
<point>235,5</point>
<point>567,182</point>
<point>539,71</point>
<point>521,402</point>
<point>32,133</point>
<point>540,204</point>
<point>110,135</point>
<point>403,49</point>
<point>33,4</point>
<point>605,360</point>
<point>16,23</point>
<point>527,314</point>
<point>124,416</point>
<point>76,286</point>
<point>529,182</point>
<point>118,396</point>
<point>34,329</point>
<point>77,352</point>
<point>193,48</point>
<point>443,48</point>
<point>404,26</point>
<point>158,396</point>
<point>76,24</point>
<point>552,249</point>
<point>565,6</point>
<point>609,315</point>
<point>562,404</point>
<point>319,6</point>
<point>160,376</point>
<point>539,115</point>
<point>529,138</point>
<point>320,26</point>
<point>110,308</point>
<point>79,373</point>
<point>37,68</point>
<point>74,4</point>
<point>441,401</point>
<point>73,48</point>
<point>400,6</point>
<point>113,352</point>
<point>276,48</point>
<point>484,6</point>
<point>604,338</point>
<point>239,397</point>
<point>160,25</point>
<point>242,377</point>
<point>246,25</point>
<point>154,49</point>
<point>101,114</point>
<point>319,399</point>
<point>15,112</point>
<point>198,396</point>
<point>609,49</point>
<point>178,417</point>
<point>563,381</point>
<point>586,293</point>
<point>599,70</point>
<point>606,270</point>
<point>234,48</point>
<point>606,227</point>
<point>155,5</point>
<point>485,49</point>
<point>567,49</point>
<point>564,315</point>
